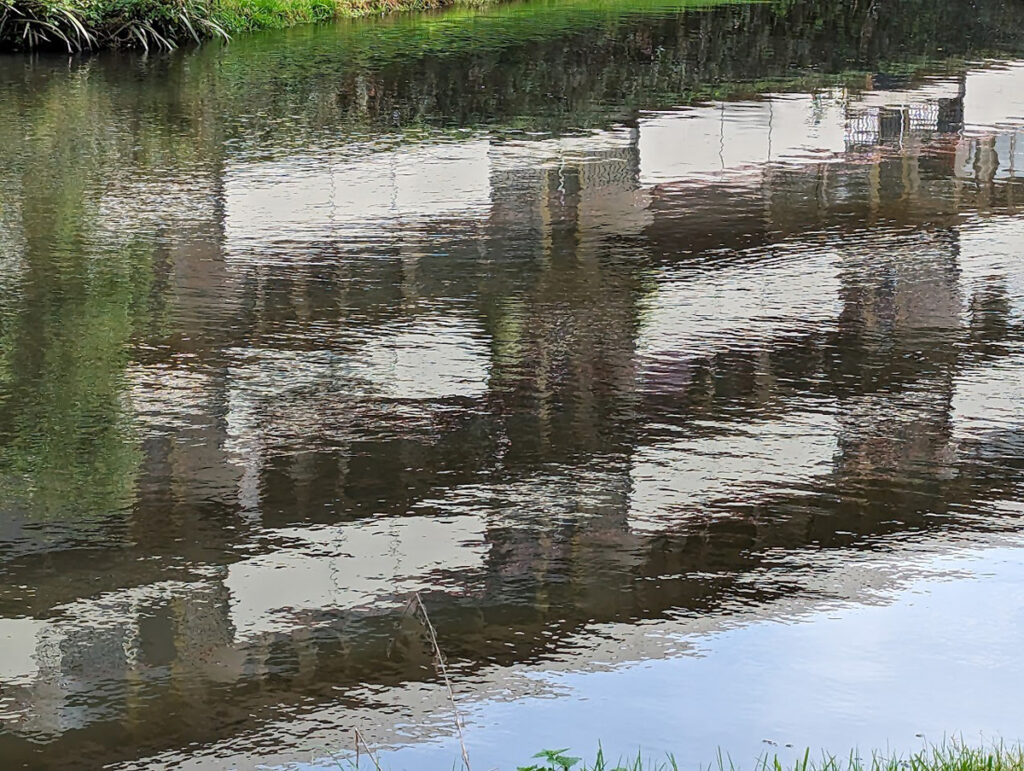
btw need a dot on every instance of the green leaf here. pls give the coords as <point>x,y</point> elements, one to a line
<point>550,754</point>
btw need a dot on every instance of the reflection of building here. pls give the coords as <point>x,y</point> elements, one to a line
<point>544,376</point>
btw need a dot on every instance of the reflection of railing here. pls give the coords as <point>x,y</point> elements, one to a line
<point>883,125</point>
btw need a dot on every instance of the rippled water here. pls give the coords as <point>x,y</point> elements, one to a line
<point>675,355</point>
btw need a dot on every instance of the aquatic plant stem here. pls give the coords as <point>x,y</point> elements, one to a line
<point>416,603</point>
<point>369,752</point>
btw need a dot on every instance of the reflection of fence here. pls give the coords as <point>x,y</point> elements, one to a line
<point>891,125</point>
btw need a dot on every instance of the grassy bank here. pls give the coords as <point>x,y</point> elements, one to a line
<point>78,25</point>
<point>953,756</point>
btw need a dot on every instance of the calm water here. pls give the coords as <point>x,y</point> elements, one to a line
<point>675,355</point>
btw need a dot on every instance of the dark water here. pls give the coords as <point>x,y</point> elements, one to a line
<point>674,355</point>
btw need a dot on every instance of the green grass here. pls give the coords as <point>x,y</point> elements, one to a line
<point>251,15</point>
<point>950,756</point>
<point>78,25</point>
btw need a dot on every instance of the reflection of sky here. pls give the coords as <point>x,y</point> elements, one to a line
<point>994,97</point>
<point>990,398</point>
<point>696,313</point>
<point>673,480</point>
<point>825,681</point>
<point>429,359</point>
<point>989,260</point>
<point>319,197</point>
<point>298,394</point>
<point>733,135</point>
<point>18,640</point>
<point>333,569</point>
<point>813,669</point>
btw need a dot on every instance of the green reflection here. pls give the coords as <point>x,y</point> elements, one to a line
<point>75,293</point>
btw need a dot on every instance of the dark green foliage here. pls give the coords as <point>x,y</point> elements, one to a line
<point>152,23</point>
<point>145,24</point>
<point>27,24</point>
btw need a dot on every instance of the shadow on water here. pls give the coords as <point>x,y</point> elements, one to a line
<point>601,325</point>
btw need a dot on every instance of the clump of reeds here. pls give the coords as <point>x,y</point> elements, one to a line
<point>160,24</point>
<point>30,24</point>
<point>80,26</point>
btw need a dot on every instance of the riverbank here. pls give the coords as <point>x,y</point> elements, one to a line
<point>79,25</point>
<point>952,756</point>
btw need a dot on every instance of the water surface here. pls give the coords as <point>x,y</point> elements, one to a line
<point>673,353</point>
